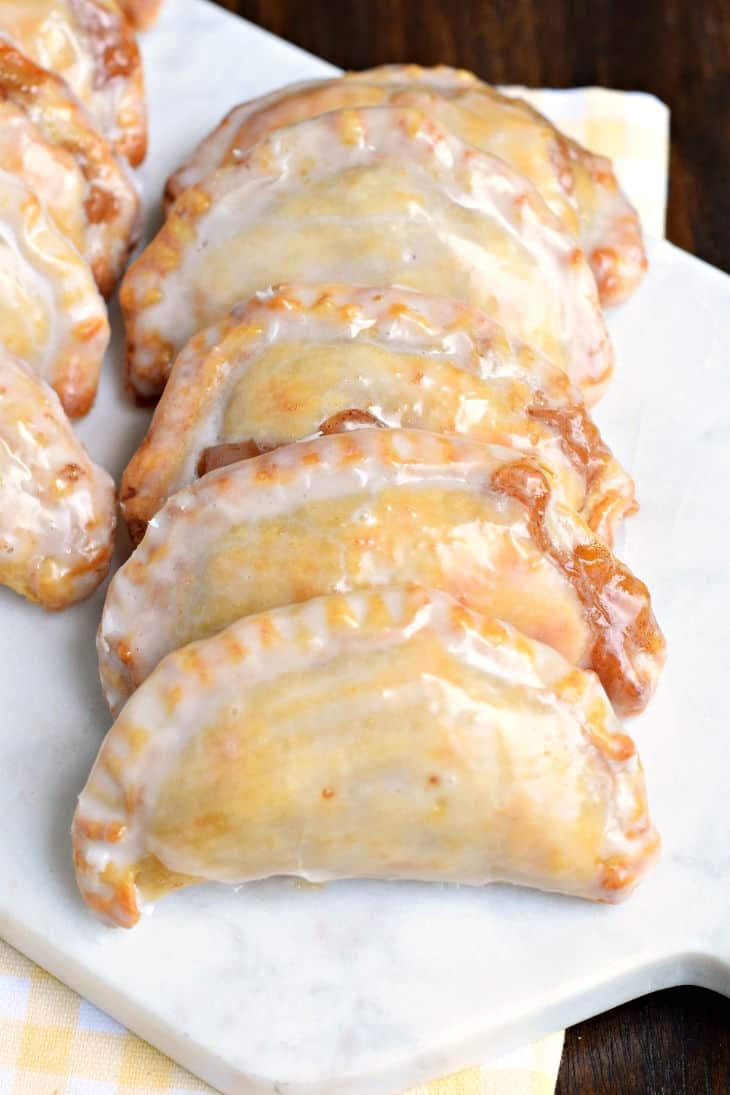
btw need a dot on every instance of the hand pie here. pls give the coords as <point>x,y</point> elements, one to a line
<point>529,143</point>
<point>610,229</point>
<point>51,314</point>
<point>580,188</point>
<point>304,360</point>
<point>275,747</point>
<point>97,205</point>
<point>376,197</point>
<point>370,508</point>
<point>142,13</point>
<point>57,509</point>
<point>93,47</point>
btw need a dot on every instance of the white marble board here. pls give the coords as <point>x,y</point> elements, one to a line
<point>364,987</point>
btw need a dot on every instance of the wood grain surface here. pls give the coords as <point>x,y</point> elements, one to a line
<point>675,1042</point>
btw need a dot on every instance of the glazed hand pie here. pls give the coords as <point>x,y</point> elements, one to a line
<point>90,194</point>
<point>610,229</point>
<point>304,360</point>
<point>373,197</point>
<point>142,13</point>
<point>275,748</point>
<point>580,188</point>
<point>93,47</point>
<point>57,509</point>
<point>51,314</point>
<point>523,139</point>
<point>378,507</point>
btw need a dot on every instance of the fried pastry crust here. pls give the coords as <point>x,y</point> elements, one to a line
<point>609,226</point>
<point>57,509</point>
<point>376,197</point>
<point>303,360</point>
<point>51,314</point>
<point>91,44</point>
<point>525,141</point>
<point>382,734</point>
<point>97,204</point>
<point>142,13</point>
<point>375,507</point>
<point>579,187</point>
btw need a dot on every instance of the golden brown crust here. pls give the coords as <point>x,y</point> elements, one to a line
<point>607,499</point>
<point>93,47</point>
<point>56,521</point>
<point>117,57</point>
<point>302,719</point>
<point>51,314</point>
<point>578,186</point>
<point>602,582</point>
<point>611,227</point>
<point>111,203</point>
<point>371,383</point>
<point>351,163</point>
<point>142,13</point>
<point>345,507</point>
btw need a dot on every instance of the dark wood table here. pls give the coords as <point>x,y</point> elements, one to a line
<point>675,1042</point>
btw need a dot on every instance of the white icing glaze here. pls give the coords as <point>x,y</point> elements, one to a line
<point>142,13</point>
<point>580,188</point>
<point>57,509</point>
<point>378,197</point>
<point>479,116</point>
<point>51,314</point>
<point>264,376</point>
<point>370,508</point>
<point>97,196</point>
<point>609,226</point>
<point>464,752</point>
<point>89,44</point>
<point>52,174</point>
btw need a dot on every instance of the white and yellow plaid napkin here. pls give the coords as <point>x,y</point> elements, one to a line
<point>54,1043</point>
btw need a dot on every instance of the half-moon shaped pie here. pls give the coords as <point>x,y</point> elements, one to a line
<point>51,314</point>
<point>57,509</point>
<point>376,507</point>
<point>106,207</point>
<point>529,143</point>
<point>390,734</point>
<point>373,197</point>
<point>91,44</point>
<point>303,360</point>
<point>580,188</point>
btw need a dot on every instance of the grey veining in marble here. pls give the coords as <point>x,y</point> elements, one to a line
<point>364,987</point>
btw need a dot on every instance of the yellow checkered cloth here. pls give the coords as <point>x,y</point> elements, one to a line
<point>54,1043</point>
